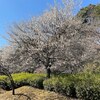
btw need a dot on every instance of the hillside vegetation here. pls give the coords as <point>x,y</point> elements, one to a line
<point>90,11</point>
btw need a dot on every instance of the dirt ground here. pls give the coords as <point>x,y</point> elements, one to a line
<point>30,93</point>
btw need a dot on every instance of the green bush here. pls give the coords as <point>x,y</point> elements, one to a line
<point>3,82</point>
<point>36,82</point>
<point>89,88</point>
<point>61,85</point>
<point>21,79</point>
<point>85,86</point>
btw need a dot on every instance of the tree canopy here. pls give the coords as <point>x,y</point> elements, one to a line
<point>57,36</point>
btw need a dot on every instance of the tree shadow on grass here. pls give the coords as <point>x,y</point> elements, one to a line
<point>23,95</point>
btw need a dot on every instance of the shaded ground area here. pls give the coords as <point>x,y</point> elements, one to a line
<point>30,93</point>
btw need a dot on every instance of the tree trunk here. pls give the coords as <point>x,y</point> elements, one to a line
<point>48,72</point>
<point>8,74</point>
<point>12,84</point>
<point>13,87</point>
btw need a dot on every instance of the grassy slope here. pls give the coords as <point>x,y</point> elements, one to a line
<point>30,93</point>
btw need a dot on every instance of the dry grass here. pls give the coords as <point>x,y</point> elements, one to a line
<point>2,91</point>
<point>30,93</point>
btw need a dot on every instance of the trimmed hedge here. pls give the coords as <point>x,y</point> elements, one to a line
<point>84,86</point>
<point>21,79</point>
<point>3,82</point>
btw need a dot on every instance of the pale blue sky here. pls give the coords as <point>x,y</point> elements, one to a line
<point>17,10</point>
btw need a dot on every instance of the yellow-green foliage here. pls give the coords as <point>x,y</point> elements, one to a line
<point>26,76</point>
<point>21,79</point>
<point>2,78</point>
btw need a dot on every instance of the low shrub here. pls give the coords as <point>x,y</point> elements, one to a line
<point>3,82</point>
<point>85,86</point>
<point>21,79</point>
<point>89,88</point>
<point>61,85</point>
<point>36,82</point>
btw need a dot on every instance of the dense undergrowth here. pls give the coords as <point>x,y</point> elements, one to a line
<point>83,85</point>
